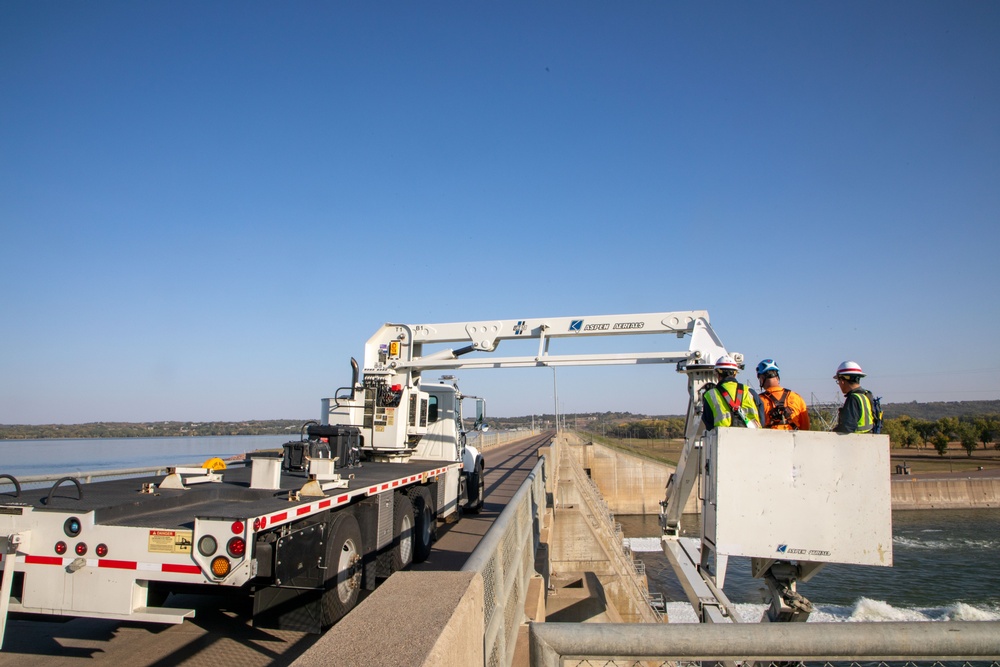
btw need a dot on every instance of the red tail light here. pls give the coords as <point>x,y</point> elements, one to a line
<point>236,547</point>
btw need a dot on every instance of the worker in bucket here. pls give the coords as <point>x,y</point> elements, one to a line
<point>858,415</point>
<point>784,410</point>
<point>729,403</point>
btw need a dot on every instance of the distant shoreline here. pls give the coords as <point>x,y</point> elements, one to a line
<point>119,430</point>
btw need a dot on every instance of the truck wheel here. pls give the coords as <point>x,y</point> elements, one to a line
<point>343,563</point>
<point>426,523</point>
<point>403,533</point>
<point>477,490</point>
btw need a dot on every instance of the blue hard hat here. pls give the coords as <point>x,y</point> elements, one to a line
<point>767,365</point>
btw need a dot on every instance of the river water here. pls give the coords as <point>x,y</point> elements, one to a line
<point>945,568</point>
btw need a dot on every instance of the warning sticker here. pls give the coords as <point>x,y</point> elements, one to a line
<point>169,542</point>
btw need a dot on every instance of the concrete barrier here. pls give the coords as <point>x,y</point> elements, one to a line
<point>913,493</point>
<point>419,619</point>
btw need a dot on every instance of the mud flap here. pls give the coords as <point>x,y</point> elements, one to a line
<point>292,602</point>
<point>9,544</point>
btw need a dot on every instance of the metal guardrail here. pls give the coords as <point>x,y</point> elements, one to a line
<point>489,439</point>
<point>577,645</point>
<point>34,481</point>
<point>475,438</point>
<point>506,559</point>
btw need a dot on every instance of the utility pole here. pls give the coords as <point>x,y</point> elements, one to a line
<point>555,394</point>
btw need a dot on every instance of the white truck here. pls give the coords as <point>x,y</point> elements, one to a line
<point>302,531</point>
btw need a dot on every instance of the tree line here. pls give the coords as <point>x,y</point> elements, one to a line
<point>968,431</point>
<point>148,429</point>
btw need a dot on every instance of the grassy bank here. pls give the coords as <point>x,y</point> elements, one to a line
<point>919,460</point>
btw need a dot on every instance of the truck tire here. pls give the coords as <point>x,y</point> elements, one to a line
<point>425,528</point>
<point>477,489</point>
<point>343,563</point>
<point>403,533</point>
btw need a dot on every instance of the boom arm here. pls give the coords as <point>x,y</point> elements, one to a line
<point>399,347</point>
<point>395,359</point>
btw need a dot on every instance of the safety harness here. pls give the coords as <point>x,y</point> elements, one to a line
<point>780,413</point>
<point>735,405</point>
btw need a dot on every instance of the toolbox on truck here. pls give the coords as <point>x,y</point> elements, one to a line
<point>325,441</point>
<point>298,452</point>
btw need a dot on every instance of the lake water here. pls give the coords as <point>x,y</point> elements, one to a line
<point>945,568</point>
<point>42,457</point>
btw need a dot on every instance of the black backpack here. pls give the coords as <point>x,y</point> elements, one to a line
<point>780,413</point>
<point>876,412</point>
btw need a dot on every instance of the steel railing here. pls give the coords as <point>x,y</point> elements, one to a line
<point>506,559</point>
<point>606,644</point>
<point>35,481</point>
<point>483,441</point>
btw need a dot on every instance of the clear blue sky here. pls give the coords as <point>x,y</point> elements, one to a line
<point>207,208</point>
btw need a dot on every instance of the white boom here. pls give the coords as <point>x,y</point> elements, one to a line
<point>395,359</point>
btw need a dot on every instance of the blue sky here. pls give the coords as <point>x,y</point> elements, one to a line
<point>207,208</point>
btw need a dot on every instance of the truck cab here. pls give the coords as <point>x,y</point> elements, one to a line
<point>445,437</point>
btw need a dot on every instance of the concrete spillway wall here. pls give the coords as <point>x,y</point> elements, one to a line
<point>913,493</point>
<point>629,484</point>
<point>634,485</point>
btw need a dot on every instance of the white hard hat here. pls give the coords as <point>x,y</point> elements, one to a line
<point>849,368</point>
<point>726,363</point>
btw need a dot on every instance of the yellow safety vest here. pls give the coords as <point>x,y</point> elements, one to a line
<point>722,414</point>
<point>865,420</point>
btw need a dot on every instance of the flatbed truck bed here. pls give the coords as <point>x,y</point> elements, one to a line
<point>121,502</point>
<point>301,544</point>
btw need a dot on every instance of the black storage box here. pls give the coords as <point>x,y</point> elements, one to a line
<point>344,442</point>
<point>297,452</point>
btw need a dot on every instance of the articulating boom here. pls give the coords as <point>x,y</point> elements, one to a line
<point>392,406</point>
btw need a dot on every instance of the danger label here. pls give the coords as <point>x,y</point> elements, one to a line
<point>169,542</point>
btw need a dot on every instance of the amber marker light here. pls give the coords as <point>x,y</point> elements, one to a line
<point>220,566</point>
